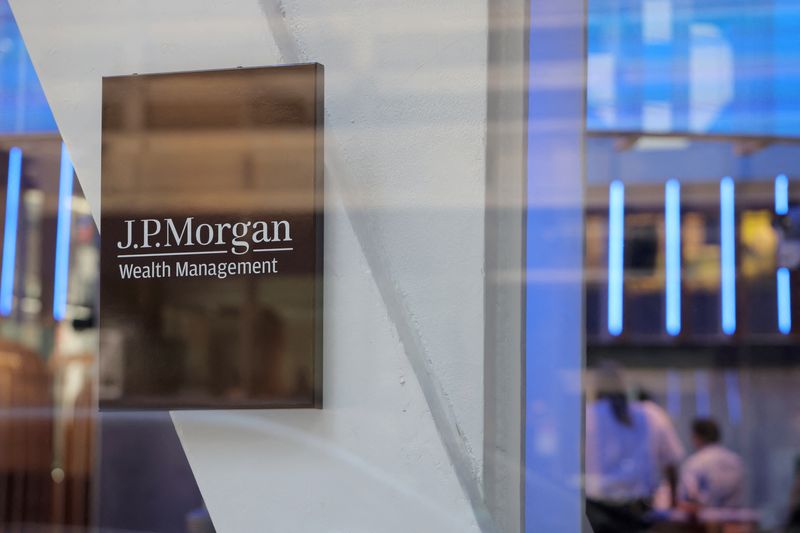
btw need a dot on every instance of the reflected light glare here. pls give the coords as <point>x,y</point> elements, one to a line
<point>727,224</point>
<point>672,219</point>
<point>616,237</point>
<point>10,231</point>
<point>784,301</point>
<point>57,474</point>
<point>63,235</point>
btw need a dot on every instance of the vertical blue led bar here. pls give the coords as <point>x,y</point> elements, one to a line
<point>672,222</point>
<point>783,285</point>
<point>784,301</point>
<point>727,224</point>
<point>782,195</point>
<point>10,231</point>
<point>616,257</point>
<point>63,235</point>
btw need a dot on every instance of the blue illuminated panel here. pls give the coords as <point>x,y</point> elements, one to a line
<point>727,224</point>
<point>701,66</point>
<point>554,317</point>
<point>672,218</point>
<point>63,236</point>
<point>10,231</point>
<point>616,257</point>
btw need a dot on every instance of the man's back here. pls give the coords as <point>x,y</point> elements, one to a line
<point>713,477</point>
<point>667,446</point>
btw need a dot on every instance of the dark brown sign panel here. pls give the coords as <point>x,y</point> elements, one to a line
<point>211,254</point>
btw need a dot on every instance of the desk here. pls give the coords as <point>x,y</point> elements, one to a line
<point>707,521</point>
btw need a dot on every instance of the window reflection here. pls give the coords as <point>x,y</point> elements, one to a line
<point>61,464</point>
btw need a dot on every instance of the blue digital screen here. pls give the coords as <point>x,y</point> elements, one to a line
<point>699,66</point>
<point>23,106</point>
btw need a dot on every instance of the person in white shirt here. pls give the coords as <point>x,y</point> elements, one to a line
<point>667,450</point>
<point>626,451</point>
<point>713,476</point>
<point>619,459</point>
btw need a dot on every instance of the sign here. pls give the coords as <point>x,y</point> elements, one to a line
<point>211,248</point>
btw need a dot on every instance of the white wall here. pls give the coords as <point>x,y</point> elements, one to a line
<point>398,446</point>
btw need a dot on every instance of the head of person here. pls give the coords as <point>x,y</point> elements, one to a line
<point>705,432</point>
<point>610,385</point>
<point>644,395</point>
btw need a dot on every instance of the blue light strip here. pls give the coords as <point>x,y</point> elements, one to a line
<point>674,394</point>
<point>672,220</point>
<point>781,195</point>
<point>727,224</point>
<point>783,278</point>
<point>63,235</point>
<point>784,301</point>
<point>733,397</point>
<point>10,231</point>
<point>702,393</point>
<point>616,240</point>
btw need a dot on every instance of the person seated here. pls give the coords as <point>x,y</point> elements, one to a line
<point>713,476</point>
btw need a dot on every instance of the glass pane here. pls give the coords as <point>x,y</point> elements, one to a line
<point>687,112</point>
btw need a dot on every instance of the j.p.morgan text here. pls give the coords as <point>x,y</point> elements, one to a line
<point>238,237</point>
